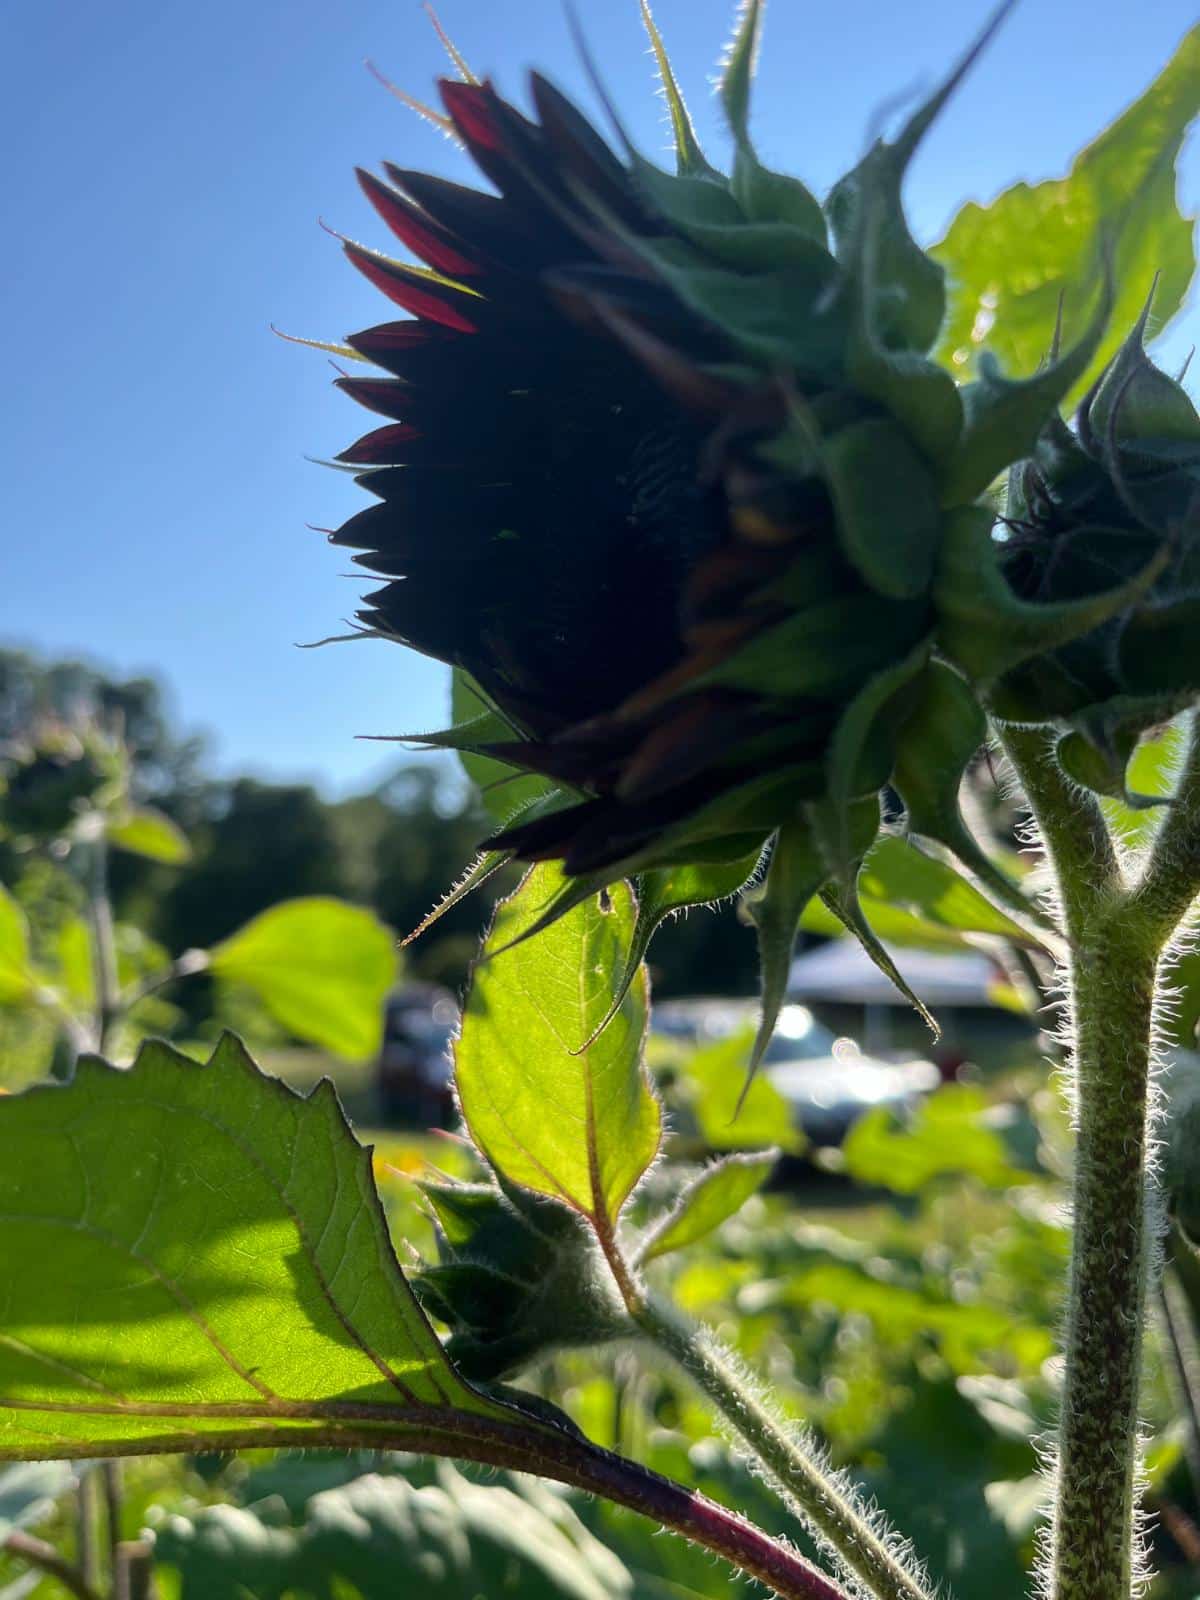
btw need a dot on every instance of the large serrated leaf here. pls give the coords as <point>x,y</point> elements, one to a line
<point>552,1112</point>
<point>195,1255</point>
<point>1011,261</point>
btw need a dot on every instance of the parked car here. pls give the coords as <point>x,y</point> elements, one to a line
<point>827,1080</point>
<point>416,1070</point>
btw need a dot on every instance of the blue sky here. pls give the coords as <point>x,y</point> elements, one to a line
<point>168,161</point>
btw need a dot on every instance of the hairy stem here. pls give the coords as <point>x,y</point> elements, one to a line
<point>1117,934</point>
<point>1093,1532</point>
<point>822,1502</point>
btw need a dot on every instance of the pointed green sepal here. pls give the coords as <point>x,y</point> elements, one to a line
<point>843,903</point>
<point>1004,417</point>
<point>796,872</point>
<point>665,893</point>
<point>738,68</point>
<point>689,158</point>
<point>943,731</point>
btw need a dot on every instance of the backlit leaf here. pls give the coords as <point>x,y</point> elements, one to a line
<point>717,1194</point>
<point>1009,262</point>
<point>321,967</point>
<point>579,1124</point>
<point>146,832</point>
<point>194,1253</point>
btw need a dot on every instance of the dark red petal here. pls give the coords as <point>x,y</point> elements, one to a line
<point>477,112</point>
<point>435,301</point>
<point>387,396</point>
<point>381,447</point>
<point>420,233</point>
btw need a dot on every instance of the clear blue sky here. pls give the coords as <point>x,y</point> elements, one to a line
<point>168,160</point>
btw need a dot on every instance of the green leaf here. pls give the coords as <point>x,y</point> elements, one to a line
<point>564,1118</point>
<point>897,872</point>
<point>146,832</point>
<point>1011,261</point>
<point>378,1538</point>
<point>16,978</point>
<point>665,893</point>
<point>321,967</point>
<point>504,790</point>
<point>717,1194</point>
<point>946,1136</point>
<point>730,1114</point>
<point>196,1254</point>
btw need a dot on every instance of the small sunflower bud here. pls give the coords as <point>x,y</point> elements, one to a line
<point>49,780</point>
<point>1112,505</point>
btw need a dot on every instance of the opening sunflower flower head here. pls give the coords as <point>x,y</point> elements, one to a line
<point>669,475</point>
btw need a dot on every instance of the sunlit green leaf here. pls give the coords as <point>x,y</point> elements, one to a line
<point>146,832</point>
<point>730,1114</point>
<point>717,1194</point>
<point>555,1114</point>
<point>321,967</point>
<point>1009,262</point>
<point>947,1134</point>
<point>195,1253</point>
<point>16,978</point>
<point>897,872</point>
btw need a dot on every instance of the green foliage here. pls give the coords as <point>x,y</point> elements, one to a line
<point>947,1135</point>
<point>552,1112</point>
<point>729,1113</point>
<point>1013,261</point>
<point>321,968</point>
<point>146,832</point>
<point>377,1537</point>
<point>182,1240</point>
<point>16,979</point>
<point>719,1193</point>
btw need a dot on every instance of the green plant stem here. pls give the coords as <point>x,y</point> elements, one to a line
<point>1112,985</point>
<point>1117,934</point>
<point>822,1502</point>
<point>104,944</point>
<point>37,1553</point>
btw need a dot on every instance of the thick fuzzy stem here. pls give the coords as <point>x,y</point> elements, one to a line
<point>1117,934</point>
<point>1093,1543</point>
<point>823,1502</point>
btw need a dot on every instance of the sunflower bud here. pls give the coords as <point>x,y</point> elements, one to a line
<point>1112,504</point>
<point>516,1277</point>
<point>51,778</point>
<point>669,473</point>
